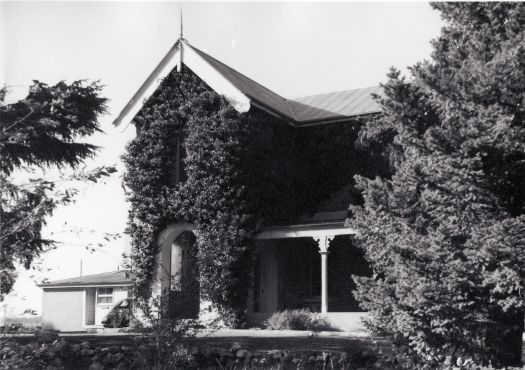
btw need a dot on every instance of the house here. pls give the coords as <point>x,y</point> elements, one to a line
<point>293,266</point>
<point>80,303</point>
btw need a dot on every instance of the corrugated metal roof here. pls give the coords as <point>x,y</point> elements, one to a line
<point>334,105</point>
<point>249,87</point>
<point>106,278</point>
<point>313,108</point>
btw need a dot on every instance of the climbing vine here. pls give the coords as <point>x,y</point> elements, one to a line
<point>240,172</point>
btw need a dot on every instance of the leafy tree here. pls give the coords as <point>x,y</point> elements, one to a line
<point>37,132</point>
<point>445,233</point>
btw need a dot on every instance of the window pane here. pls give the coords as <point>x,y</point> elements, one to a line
<point>103,300</point>
<point>105,291</point>
<point>105,296</point>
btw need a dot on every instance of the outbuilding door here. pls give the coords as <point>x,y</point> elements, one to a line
<point>90,306</point>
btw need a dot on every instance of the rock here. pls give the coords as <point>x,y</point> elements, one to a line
<point>26,350</point>
<point>122,366</point>
<point>85,345</point>
<point>225,353</point>
<point>275,354</point>
<point>109,359</point>
<point>87,352</point>
<point>57,363</point>
<point>114,349</point>
<point>60,345</point>
<point>117,357</point>
<point>50,356</point>
<point>105,350</point>
<point>46,336</point>
<point>126,349</point>
<point>194,351</point>
<point>5,350</point>
<point>75,347</point>
<point>216,351</point>
<point>205,351</point>
<point>244,354</point>
<point>235,347</point>
<point>64,349</point>
<point>137,364</point>
<point>96,366</point>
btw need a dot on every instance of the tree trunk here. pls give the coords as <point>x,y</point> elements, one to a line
<point>508,347</point>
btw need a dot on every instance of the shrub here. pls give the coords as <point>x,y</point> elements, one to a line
<point>301,319</point>
<point>163,345</point>
<point>120,315</point>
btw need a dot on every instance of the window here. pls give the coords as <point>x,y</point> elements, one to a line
<point>177,172</point>
<point>105,296</point>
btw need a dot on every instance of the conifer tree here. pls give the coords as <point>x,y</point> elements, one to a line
<point>46,129</point>
<point>445,234</point>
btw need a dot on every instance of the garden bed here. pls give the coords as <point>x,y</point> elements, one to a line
<point>256,349</point>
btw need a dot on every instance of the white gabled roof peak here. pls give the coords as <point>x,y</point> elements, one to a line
<point>182,52</point>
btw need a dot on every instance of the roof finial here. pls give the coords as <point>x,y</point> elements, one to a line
<point>180,42</point>
<point>181,24</point>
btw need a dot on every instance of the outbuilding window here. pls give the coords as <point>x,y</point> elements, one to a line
<point>105,295</point>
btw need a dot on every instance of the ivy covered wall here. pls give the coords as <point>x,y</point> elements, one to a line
<point>239,173</point>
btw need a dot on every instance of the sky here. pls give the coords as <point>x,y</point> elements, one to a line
<point>293,48</point>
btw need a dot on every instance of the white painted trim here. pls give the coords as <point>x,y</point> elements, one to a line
<point>172,231</point>
<point>215,80</point>
<point>84,286</point>
<point>177,54</point>
<point>286,232</point>
<point>161,281</point>
<point>104,296</point>
<point>148,87</point>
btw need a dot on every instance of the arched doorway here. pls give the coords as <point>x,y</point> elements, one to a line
<point>184,300</point>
